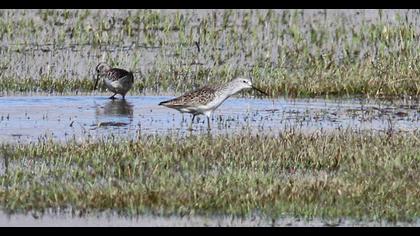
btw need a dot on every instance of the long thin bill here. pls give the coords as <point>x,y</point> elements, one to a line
<point>96,82</point>
<point>259,90</point>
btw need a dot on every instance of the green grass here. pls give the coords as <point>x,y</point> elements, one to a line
<point>360,175</point>
<point>285,53</point>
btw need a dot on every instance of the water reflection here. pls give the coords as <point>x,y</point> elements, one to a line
<point>115,108</point>
<point>25,119</point>
<point>115,111</point>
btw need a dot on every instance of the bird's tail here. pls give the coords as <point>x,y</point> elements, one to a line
<point>132,77</point>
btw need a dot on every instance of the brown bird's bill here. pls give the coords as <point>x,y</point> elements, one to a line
<point>96,82</point>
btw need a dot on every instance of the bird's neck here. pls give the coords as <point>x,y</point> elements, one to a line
<point>228,89</point>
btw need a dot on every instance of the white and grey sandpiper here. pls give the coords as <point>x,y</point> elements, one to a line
<point>118,81</point>
<point>208,98</point>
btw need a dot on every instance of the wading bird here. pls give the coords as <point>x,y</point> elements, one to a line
<point>208,98</point>
<point>118,81</point>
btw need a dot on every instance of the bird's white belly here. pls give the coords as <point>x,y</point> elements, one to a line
<point>118,86</point>
<point>111,85</point>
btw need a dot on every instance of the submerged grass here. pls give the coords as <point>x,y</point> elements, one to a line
<point>300,53</point>
<point>361,175</point>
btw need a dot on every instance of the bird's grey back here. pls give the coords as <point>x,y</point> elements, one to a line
<point>201,96</point>
<point>115,74</point>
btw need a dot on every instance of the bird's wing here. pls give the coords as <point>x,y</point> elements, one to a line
<point>197,97</point>
<point>115,74</point>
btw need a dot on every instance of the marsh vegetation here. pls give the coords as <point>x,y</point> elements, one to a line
<point>288,52</point>
<point>338,138</point>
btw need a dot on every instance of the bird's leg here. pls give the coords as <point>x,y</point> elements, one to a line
<point>208,123</point>
<point>113,96</point>
<point>182,119</point>
<point>192,121</point>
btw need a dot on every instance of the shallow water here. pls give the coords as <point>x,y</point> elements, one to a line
<point>26,119</point>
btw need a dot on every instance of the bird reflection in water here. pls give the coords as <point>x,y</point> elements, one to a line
<point>115,111</point>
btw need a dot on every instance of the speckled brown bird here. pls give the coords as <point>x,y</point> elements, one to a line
<point>208,98</point>
<point>118,81</point>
